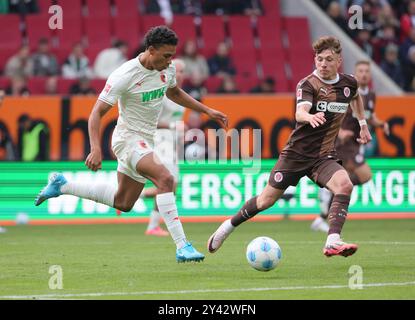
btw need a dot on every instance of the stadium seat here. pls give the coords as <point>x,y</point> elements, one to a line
<point>37,27</point>
<point>71,8</point>
<point>98,85</point>
<point>36,85</point>
<point>302,64</point>
<point>12,38</point>
<point>185,29</point>
<point>64,85</point>
<point>44,6</point>
<point>4,82</point>
<point>245,84</point>
<point>92,52</point>
<point>272,8</point>
<point>70,34</point>
<point>126,8</point>
<point>212,31</point>
<point>212,84</point>
<point>298,32</point>
<point>98,8</point>
<point>128,30</point>
<point>149,21</point>
<point>241,32</point>
<point>269,33</point>
<point>273,65</point>
<point>245,62</point>
<point>98,31</point>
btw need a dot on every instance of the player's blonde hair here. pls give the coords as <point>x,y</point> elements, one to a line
<point>325,43</point>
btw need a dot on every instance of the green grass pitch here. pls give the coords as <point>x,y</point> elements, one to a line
<point>119,262</point>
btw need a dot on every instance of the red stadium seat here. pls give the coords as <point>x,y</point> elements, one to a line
<point>245,84</point>
<point>149,21</point>
<point>126,8</point>
<point>37,27</point>
<point>185,29</point>
<point>273,65</point>
<point>92,53</point>
<point>213,32</point>
<point>213,83</point>
<point>98,8</point>
<point>245,62</point>
<point>272,8</point>
<point>64,85</point>
<point>4,82</point>
<point>269,33</point>
<point>98,85</point>
<point>127,30</point>
<point>98,31</point>
<point>241,32</point>
<point>44,6</point>
<point>70,34</point>
<point>36,85</point>
<point>302,64</point>
<point>298,32</point>
<point>12,38</point>
<point>71,8</point>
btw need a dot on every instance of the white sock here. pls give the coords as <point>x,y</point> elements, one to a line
<point>227,225</point>
<point>334,237</point>
<point>98,192</point>
<point>154,220</point>
<point>166,202</point>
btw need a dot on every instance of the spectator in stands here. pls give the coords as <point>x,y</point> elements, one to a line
<point>221,7</point>
<point>77,64</point>
<point>82,87</point>
<point>221,63</point>
<point>409,69</point>
<point>385,36</point>
<point>33,139</point>
<point>194,87</point>
<point>51,85</point>
<point>195,63</point>
<point>110,59</point>
<point>408,20</point>
<point>193,7</point>
<point>408,43</point>
<point>386,17</point>
<point>18,86</point>
<point>162,7</point>
<point>44,62</point>
<point>228,86</point>
<point>20,64</point>
<point>23,6</point>
<point>266,85</point>
<point>253,8</point>
<point>364,41</point>
<point>369,16</point>
<point>391,66</point>
<point>334,11</point>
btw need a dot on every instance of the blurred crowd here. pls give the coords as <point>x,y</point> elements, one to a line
<point>388,34</point>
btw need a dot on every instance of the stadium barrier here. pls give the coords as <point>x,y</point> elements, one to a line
<point>67,120</point>
<point>206,192</point>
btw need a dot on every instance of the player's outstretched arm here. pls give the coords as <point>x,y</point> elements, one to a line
<point>302,115</point>
<point>182,98</point>
<point>94,158</point>
<point>359,110</point>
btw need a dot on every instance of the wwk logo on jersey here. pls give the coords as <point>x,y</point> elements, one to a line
<point>336,107</point>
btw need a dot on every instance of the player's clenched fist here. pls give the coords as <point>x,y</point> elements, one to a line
<point>94,160</point>
<point>317,119</point>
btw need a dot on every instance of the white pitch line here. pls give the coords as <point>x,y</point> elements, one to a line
<point>141,293</point>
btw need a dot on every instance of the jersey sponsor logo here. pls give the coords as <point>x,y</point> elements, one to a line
<point>299,93</point>
<point>278,177</point>
<point>107,88</point>
<point>346,92</point>
<point>152,95</point>
<point>336,107</point>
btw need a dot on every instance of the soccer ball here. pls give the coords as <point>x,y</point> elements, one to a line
<point>263,254</point>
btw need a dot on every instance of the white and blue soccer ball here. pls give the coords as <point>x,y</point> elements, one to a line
<point>263,254</point>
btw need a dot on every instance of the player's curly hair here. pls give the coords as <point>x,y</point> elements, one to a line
<point>325,43</point>
<point>159,36</point>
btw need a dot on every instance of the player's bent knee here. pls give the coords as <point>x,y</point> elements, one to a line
<point>345,187</point>
<point>165,182</point>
